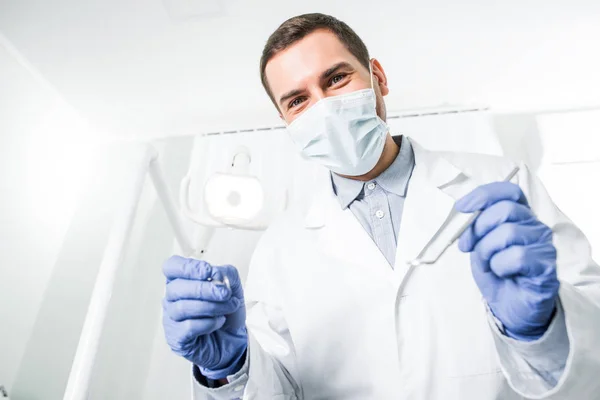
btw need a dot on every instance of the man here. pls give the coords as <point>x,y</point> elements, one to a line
<point>332,307</point>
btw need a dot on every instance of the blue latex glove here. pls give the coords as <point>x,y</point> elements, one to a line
<point>204,321</point>
<point>512,258</point>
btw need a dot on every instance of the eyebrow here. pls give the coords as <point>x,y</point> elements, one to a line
<point>326,74</point>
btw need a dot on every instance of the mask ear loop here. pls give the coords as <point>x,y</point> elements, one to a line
<point>371,74</point>
<point>372,86</point>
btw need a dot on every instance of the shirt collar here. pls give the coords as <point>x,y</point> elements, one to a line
<point>394,179</point>
<point>346,190</point>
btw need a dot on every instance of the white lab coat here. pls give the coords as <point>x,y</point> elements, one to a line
<point>329,318</point>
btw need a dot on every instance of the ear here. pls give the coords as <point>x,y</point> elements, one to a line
<point>379,73</point>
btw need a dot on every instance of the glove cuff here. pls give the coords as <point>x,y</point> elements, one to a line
<point>236,364</point>
<point>534,333</point>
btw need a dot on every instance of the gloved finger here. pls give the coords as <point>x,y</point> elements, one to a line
<point>485,195</point>
<point>190,309</point>
<point>184,289</point>
<point>533,260</point>
<point>190,329</point>
<point>467,240</point>
<point>485,279</point>
<point>478,265</point>
<point>511,234</point>
<point>499,213</point>
<point>233,276</point>
<point>491,217</point>
<point>186,268</point>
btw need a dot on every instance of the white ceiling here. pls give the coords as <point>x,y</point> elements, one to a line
<point>134,68</point>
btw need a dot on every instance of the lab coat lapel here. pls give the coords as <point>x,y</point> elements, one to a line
<point>434,186</point>
<point>342,235</point>
<point>427,204</point>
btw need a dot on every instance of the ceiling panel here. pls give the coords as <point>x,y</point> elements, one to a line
<point>134,69</point>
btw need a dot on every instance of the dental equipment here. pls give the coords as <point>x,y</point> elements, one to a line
<point>420,261</point>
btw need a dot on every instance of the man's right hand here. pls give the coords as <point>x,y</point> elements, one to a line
<point>204,320</point>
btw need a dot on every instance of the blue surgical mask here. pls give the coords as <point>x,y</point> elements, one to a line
<point>343,133</point>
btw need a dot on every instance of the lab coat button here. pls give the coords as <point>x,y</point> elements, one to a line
<point>379,214</point>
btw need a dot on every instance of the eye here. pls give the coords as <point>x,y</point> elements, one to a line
<point>296,102</point>
<point>337,78</point>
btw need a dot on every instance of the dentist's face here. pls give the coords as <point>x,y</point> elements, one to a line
<point>316,67</point>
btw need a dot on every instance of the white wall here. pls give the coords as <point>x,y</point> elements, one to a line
<point>124,355</point>
<point>38,186</point>
<point>571,167</point>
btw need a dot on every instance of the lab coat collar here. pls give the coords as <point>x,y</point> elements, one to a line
<point>435,168</point>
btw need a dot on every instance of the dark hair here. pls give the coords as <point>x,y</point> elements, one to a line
<point>296,28</point>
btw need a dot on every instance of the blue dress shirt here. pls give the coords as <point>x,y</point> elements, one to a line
<point>378,204</point>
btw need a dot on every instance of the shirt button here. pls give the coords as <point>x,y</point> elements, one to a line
<point>379,214</point>
<point>371,186</point>
<point>238,388</point>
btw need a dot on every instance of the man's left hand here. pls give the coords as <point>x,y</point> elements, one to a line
<point>513,259</point>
